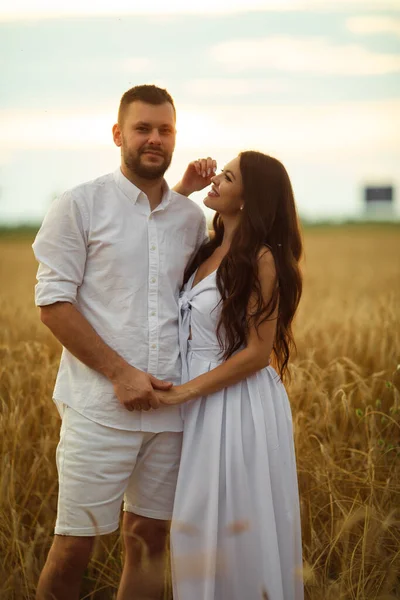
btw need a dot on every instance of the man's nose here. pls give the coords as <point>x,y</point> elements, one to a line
<point>155,137</point>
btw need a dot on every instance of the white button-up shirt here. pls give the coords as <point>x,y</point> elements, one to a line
<point>102,249</point>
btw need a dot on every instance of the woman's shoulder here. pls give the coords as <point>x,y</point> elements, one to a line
<point>265,258</point>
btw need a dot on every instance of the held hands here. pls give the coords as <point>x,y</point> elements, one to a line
<point>197,176</point>
<point>172,397</point>
<point>137,390</point>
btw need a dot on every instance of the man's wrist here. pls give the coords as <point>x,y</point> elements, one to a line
<point>115,368</point>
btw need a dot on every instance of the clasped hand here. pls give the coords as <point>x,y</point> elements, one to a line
<point>137,390</point>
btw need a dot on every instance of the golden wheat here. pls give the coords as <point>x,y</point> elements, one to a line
<point>346,411</point>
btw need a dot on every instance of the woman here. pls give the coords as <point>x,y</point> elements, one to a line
<point>236,528</point>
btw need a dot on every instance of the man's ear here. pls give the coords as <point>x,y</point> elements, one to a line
<point>117,135</point>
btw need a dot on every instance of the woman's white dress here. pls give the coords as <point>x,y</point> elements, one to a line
<point>235,532</point>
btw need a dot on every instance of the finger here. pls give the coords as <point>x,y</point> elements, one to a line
<point>145,403</point>
<point>154,401</point>
<point>162,386</point>
<point>197,166</point>
<point>203,166</point>
<point>158,384</point>
<point>209,166</point>
<point>214,166</point>
<point>165,402</point>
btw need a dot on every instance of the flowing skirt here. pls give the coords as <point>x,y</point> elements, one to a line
<point>235,532</point>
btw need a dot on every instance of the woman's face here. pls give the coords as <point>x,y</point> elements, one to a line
<point>225,195</point>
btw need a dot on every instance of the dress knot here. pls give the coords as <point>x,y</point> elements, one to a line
<point>184,303</point>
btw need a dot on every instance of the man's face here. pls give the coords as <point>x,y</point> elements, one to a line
<point>147,138</point>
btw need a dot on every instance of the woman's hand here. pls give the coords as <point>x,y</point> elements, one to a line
<point>173,397</point>
<point>197,176</point>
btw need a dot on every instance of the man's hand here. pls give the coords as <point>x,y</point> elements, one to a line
<point>197,176</point>
<point>135,389</point>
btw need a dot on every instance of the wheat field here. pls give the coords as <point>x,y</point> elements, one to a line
<point>346,412</point>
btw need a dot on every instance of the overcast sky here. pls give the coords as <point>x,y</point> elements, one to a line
<point>315,83</point>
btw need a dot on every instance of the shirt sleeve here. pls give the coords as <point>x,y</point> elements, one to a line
<point>60,248</point>
<point>203,235</point>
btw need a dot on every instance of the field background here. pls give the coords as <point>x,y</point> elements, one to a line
<point>346,412</point>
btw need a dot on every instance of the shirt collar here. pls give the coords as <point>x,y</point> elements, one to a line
<point>167,195</point>
<point>132,192</point>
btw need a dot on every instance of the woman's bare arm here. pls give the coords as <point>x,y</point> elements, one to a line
<point>246,362</point>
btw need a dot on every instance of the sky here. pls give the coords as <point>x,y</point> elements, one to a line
<point>315,83</point>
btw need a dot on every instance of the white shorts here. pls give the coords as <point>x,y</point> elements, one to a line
<point>97,465</point>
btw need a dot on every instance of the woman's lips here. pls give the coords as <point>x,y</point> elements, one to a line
<point>213,193</point>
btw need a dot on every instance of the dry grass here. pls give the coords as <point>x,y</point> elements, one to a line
<point>346,409</point>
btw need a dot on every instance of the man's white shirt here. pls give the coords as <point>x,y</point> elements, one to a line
<point>102,249</point>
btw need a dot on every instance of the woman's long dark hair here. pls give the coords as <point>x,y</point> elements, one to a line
<point>269,219</point>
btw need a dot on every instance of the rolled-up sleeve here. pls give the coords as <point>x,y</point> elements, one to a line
<point>203,235</point>
<point>60,248</point>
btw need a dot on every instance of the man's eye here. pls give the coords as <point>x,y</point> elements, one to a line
<point>228,178</point>
<point>166,132</point>
<point>141,128</point>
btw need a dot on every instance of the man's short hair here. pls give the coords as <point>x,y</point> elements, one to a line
<point>151,94</point>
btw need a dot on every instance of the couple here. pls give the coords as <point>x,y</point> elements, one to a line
<point>145,360</point>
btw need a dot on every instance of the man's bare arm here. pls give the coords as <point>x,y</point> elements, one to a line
<point>133,387</point>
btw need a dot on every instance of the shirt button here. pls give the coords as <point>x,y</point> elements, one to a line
<point>153,280</point>
<point>153,247</point>
<point>153,346</point>
<point>153,313</point>
<point>150,216</point>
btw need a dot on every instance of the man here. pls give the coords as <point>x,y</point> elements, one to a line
<point>112,254</point>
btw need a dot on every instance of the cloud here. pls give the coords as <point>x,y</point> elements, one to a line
<point>328,149</point>
<point>317,131</point>
<point>322,133</point>
<point>39,9</point>
<point>21,129</point>
<point>373,25</point>
<point>80,128</point>
<point>235,87</point>
<point>314,55</point>
<point>134,65</point>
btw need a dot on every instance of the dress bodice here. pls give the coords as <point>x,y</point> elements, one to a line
<point>199,311</point>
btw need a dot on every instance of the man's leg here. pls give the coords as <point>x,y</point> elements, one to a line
<point>149,500</point>
<point>145,558</point>
<point>62,574</point>
<point>94,465</point>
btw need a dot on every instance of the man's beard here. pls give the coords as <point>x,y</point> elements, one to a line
<point>134,164</point>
